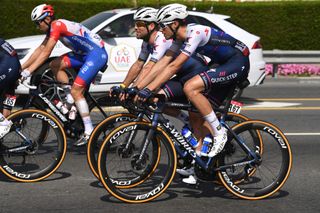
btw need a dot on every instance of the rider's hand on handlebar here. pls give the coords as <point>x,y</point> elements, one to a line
<point>144,94</point>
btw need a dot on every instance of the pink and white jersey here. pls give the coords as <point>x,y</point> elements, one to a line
<point>75,36</point>
<point>197,36</point>
<point>157,50</point>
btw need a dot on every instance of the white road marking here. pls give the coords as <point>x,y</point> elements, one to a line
<point>302,133</point>
<point>270,104</point>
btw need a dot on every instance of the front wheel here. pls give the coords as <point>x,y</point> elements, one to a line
<point>271,167</point>
<point>142,170</point>
<point>23,157</point>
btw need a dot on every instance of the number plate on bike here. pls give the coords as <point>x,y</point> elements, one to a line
<point>235,107</point>
<point>10,100</point>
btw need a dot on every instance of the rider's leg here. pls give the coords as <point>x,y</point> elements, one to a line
<point>82,106</point>
<point>193,89</point>
<point>59,65</point>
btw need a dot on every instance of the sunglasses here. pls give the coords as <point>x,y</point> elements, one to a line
<point>140,23</point>
<point>164,25</point>
<point>38,22</point>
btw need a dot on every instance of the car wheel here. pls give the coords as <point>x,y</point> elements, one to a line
<point>42,78</point>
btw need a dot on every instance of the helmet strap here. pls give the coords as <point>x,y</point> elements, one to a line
<point>147,37</point>
<point>49,24</point>
<point>174,36</point>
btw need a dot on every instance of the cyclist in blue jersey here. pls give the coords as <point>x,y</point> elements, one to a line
<point>231,54</point>
<point>88,54</point>
<point>9,74</point>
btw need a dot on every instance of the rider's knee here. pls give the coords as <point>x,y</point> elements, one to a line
<point>189,89</point>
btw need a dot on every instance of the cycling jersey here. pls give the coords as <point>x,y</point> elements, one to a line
<point>9,68</point>
<point>217,45</point>
<point>75,36</point>
<point>88,49</point>
<point>155,50</point>
<point>221,48</point>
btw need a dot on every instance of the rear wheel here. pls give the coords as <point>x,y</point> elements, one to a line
<point>271,168</point>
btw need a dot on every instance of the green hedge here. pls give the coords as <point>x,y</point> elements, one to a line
<point>281,25</point>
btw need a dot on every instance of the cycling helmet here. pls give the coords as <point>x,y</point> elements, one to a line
<point>41,11</point>
<point>172,12</point>
<point>147,14</point>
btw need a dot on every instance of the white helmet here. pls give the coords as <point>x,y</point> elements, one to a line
<point>147,14</point>
<point>41,11</point>
<point>172,12</point>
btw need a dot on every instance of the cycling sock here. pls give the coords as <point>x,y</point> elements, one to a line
<point>88,127</point>
<point>69,98</point>
<point>183,117</point>
<point>3,120</point>
<point>214,122</point>
<point>83,109</point>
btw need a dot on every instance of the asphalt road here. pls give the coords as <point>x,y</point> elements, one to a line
<point>291,104</point>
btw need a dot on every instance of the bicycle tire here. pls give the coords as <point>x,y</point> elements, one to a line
<point>255,187</point>
<point>32,164</point>
<point>164,175</point>
<point>98,135</point>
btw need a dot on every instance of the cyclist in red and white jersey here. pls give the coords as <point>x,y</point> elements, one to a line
<point>88,54</point>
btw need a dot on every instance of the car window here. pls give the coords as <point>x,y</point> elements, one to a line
<point>95,20</point>
<point>200,20</point>
<point>121,27</point>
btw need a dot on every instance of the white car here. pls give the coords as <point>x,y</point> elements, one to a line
<point>116,27</point>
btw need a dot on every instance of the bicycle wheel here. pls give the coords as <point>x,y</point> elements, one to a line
<point>135,177</point>
<point>271,170</point>
<point>23,157</point>
<point>98,135</point>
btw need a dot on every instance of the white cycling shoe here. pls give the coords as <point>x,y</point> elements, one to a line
<point>5,128</point>
<point>186,171</point>
<point>192,180</point>
<point>218,143</point>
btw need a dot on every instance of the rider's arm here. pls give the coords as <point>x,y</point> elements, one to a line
<point>34,55</point>
<point>43,55</point>
<point>144,72</point>
<point>156,69</point>
<point>133,72</point>
<point>168,72</point>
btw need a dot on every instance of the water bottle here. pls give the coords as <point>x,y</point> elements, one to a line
<point>189,136</point>
<point>64,109</point>
<point>60,106</point>
<point>207,143</point>
<point>72,113</point>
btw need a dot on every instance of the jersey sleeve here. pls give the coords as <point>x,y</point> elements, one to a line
<point>160,47</point>
<point>144,53</point>
<point>57,29</point>
<point>194,38</point>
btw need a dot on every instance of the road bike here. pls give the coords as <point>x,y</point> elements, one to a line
<point>137,160</point>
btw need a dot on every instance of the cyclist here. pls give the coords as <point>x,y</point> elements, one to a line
<point>88,54</point>
<point>9,74</point>
<point>154,45</point>
<point>157,47</point>
<point>231,54</point>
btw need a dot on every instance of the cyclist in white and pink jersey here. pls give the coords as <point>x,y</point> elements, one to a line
<point>231,55</point>
<point>88,54</point>
<point>154,45</point>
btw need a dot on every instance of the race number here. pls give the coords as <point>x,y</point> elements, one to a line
<point>10,100</point>
<point>235,107</point>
